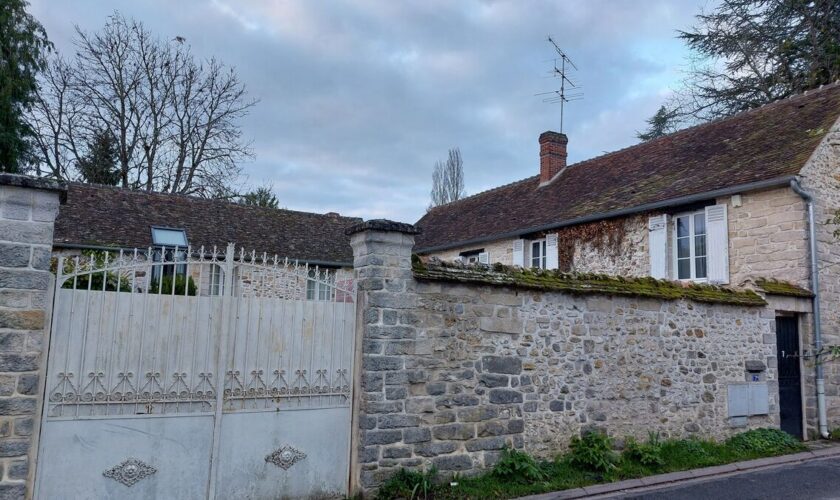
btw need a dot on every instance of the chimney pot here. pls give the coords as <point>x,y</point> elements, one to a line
<point>552,155</point>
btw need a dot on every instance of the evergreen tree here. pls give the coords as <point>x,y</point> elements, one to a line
<point>663,122</point>
<point>746,53</point>
<point>101,163</point>
<point>260,197</point>
<point>23,47</point>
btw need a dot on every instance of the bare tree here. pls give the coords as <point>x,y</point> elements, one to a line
<point>175,120</point>
<point>448,179</point>
<point>53,117</point>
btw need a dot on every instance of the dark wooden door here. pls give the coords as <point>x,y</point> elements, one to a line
<point>790,388</point>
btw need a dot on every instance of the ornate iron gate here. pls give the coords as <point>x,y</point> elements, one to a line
<point>181,374</point>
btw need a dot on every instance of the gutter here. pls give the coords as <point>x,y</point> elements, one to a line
<point>815,287</point>
<point>79,246</point>
<point>751,186</point>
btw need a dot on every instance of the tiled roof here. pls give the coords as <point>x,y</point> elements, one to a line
<point>114,217</point>
<point>766,143</point>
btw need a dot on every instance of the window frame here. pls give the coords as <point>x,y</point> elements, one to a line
<point>152,230</point>
<point>470,254</point>
<point>543,247</point>
<point>163,255</point>
<point>692,242</point>
<point>316,289</point>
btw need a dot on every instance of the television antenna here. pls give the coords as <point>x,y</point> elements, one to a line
<point>569,90</point>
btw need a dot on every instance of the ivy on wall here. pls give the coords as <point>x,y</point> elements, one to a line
<point>605,236</point>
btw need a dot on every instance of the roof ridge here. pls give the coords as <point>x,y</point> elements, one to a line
<point>486,191</point>
<point>671,135</point>
<point>714,121</point>
<point>218,201</point>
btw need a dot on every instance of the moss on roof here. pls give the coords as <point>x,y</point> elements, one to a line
<point>555,281</point>
<point>776,287</point>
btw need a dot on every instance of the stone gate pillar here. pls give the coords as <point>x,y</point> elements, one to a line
<point>28,207</point>
<point>384,332</point>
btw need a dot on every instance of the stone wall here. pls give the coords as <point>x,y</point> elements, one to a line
<point>452,373</point>
<point>630,258</point>
<point>821,178</point>
<point>768,237</point>
<point>27,212</point>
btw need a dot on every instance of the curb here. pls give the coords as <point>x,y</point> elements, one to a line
<point>686,476</point>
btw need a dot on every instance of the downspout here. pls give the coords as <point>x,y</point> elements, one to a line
<point>815,287</point>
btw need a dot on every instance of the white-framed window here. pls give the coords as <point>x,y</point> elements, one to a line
<point>170,246</point>
<point>217,280</point>
<point>320,286</point>
<point>538,253</point>
<point>690,248</point>
<point>473,257</point>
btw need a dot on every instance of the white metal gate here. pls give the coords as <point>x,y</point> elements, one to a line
<point>181,374</point>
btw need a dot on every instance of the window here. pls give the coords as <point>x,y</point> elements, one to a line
<point>538,254</point>
<point>217,280</point>
<point>690,255</point>
<point>165,237</point>
<point>472,257</point>
<point>171,247</point>
<point>321,287</point>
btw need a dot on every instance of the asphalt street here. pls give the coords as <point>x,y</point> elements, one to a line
<point>817,479</point>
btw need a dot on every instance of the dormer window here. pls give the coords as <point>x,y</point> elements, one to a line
<point>170,245</point>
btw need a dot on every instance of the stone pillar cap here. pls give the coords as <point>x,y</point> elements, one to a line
<point>28,181</point>
<point>383,225</point>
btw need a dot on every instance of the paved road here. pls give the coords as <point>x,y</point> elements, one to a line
<point>817,480</point>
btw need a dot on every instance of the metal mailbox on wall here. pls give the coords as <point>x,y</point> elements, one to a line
<point>749,398</point>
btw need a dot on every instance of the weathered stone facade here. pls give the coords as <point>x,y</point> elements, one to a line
<point>821,178</point>
<point>27,213</point>
<point>452,373</point>
<point>768,237</point>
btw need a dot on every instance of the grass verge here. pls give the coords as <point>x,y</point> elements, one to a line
<point>591,460</point>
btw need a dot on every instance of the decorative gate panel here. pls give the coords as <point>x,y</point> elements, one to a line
<point>181,374</point>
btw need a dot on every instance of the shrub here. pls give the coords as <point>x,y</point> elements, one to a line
<point>764,442</point>
<point>518,466</point>
<point>166,284</point>
<point>649,453</point>
<point>592,452</point>
<point>409,484</point>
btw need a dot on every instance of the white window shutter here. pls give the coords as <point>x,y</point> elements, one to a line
<point>717,244</point>
<point>552,256</point>
<point>658,246</point>
<point>484,258</point>
<point>519,253</point>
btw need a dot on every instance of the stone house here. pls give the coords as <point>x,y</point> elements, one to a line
<point>166,226</point>
<point>743,202</point>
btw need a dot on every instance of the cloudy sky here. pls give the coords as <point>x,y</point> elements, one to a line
<point>358,99</point>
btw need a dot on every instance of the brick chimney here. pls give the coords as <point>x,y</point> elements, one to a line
<point>552,155</point>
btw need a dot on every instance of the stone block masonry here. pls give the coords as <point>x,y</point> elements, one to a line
<point>451,373</point>
<point>28,208</point>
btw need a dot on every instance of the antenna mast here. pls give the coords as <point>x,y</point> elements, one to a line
<point>562,73</point>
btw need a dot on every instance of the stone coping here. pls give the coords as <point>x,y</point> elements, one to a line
<point>383,225</point>
<point>28,181</point>
<point>555,281</point>
<point>687,476</point>
<point>778,287</point>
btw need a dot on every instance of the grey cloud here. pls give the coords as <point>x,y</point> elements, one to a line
<point>358,99</point>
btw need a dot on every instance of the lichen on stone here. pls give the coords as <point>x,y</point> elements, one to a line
<point>581,283</point>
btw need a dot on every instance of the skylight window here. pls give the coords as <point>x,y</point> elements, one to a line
<point>165,237</point>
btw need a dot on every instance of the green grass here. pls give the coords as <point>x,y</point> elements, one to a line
<point>515,475</point>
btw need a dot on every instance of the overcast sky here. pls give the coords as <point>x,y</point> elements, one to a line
<point>358,99</point>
